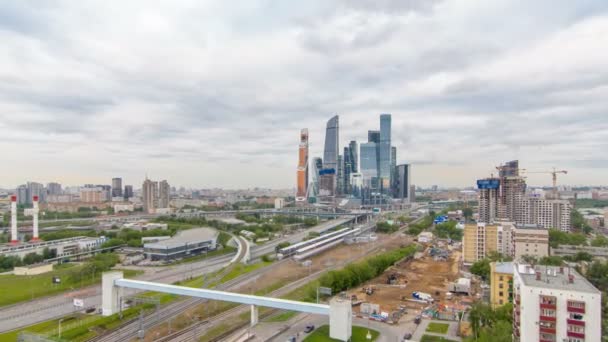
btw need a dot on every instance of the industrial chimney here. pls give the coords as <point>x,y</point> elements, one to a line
<point>14,236</point>
<point>35,219</point>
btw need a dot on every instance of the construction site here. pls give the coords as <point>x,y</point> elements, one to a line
<point>427,285</point>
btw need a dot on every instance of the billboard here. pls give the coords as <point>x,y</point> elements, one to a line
<point>491,183</point>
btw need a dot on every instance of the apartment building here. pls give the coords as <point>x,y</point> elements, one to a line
<point>530,239</point>
<point>549,213</point>
<point>481,239</point>
<point>501,283</point>
<point>555,304</point>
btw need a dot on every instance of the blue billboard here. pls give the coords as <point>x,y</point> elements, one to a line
<point>488,184</point>
<point>327,172</point>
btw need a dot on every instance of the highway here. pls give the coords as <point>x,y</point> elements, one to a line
<point>43,309</point>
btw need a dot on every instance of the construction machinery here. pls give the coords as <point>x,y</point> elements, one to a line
<point>554,177</point>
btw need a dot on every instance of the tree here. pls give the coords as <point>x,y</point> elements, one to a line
<point>552,260</point>
<point>467,213</point>
<point>32,258</point>
<point>481,268</point>
<point>599,241</point>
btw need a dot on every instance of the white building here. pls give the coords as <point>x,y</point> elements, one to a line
<point>123,207</point>
<point>555,304</point>
<point>279,203</point>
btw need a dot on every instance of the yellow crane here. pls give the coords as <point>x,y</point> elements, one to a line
<point>554,176</point>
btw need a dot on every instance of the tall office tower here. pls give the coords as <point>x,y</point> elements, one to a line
<point>53,188</point>
<point>347,171</point>
<point>373,136</point>
<point>354,156</point>
<point>149,195</point>
<point>164,192</point>
<point>412,193</point>
<point>22,194</point>
<point>330,153</point>
<point>394,187</point>
<point>302,172</point>
<point>369,164</point>
<point>116,187</point>
<point>384,169</point>
<point>340,176</point>
<point>547,213</point>
<point>327,183</point>
<point>555,304</point>
<point>128,191</point>
<point>402,182</point>
<point>35,189</point>
<point>317,166</point>
<point>489,191</point>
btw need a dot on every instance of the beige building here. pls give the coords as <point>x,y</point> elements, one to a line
<point>480,239</point>
<point>92,195</point>
<point>549,213</point>
<point>530,240</point>
<point>501,283</point>
<point>33,269</point>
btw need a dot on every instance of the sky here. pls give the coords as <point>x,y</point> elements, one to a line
<point>214,93</point>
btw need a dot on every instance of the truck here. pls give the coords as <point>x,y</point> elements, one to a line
<point>422,296</point>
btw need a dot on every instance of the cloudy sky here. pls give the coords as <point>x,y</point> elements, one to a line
<point>213,93</point>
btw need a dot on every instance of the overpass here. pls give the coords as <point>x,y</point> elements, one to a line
<point>339,310</point>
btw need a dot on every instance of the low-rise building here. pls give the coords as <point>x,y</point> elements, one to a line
<point>185,243</point>
<point>62,247</point>
<point>279,203</point>
<point>501,283</point>
<point>531,240</point>
<point>555,304</point>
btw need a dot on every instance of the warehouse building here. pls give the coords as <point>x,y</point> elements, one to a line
<point>185,243</point>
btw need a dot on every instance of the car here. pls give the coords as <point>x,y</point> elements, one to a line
<point>291,339</point>
<point>418,319</point>
<point>407,336</point>
<point>309,328</point>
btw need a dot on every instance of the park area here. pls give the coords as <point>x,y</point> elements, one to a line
<point>359,335</point>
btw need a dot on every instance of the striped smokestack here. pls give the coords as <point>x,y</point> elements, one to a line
<point>14,236</point>
<point>35,219</point>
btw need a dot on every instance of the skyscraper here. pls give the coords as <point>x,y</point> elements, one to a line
<point>116,187</point>
<point>22,194</point>
<point>373,136</point>
<point>302,172</point>
<point>317,166</point>
<point>340,176</point>
<point>354,155</point>
<point>53,188</point>
<point>384,165</point>
<point>164,191</point>
<point>149,195</point>
<point>330,153</point>
<point>128,192</point>
<point>369,165</point>
<point>489,190</point>
<point>402,182</point>
<point>35,189</point>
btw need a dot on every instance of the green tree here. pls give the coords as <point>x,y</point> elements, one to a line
<point>552,260</point>
<point>599,241</point>
<point>481,268</point>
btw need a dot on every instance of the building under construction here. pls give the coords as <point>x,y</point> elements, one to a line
<point>302,172</point>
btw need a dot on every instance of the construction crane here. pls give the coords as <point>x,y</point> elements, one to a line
<point>554,176</point>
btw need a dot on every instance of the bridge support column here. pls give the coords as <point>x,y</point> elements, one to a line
<point>340,319</point>
<point>254,315</point>
<point>110,294</point>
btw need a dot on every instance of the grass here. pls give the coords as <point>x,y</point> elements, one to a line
<point>359,335</point>
<point>241,269</point>
<point>282,317</point>
<point>431,338</point>
<point>23,288</point>
<point>438,328</point>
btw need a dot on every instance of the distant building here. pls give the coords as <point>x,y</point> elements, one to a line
<point>330,151</point>
<point>92,195</point>
<point>369,165</point>
<point>279,203</point>
<point>23,195</point>
<point>128,191</point>
<point>149,196</point>
<point>501,282</point>
<point>373,136</point>
<point>402,182</point>
<point>117,187</point>
<point>302,171</point>
<point>35,189</point>
<point>164,191</point>
<point>384,164</point>
<point>555,304</point>
<point>185,243</point>
<point>53,189</point>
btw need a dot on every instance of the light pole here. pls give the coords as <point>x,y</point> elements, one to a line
<point>59,330</point>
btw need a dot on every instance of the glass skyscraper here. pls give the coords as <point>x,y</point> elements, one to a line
<point>384,164</point>
<point>330,153</point>
<point>369,164</point>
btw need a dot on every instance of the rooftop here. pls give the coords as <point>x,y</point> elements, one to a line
<point>552,278</point>
<point>184,237</point>
<point>504,267</point>
<point>531,226</point>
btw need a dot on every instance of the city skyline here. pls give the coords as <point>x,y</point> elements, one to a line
<point>82,103</point>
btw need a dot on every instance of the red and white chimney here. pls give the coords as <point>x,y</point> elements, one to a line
<point>35,218</point>
<point>14,236</point>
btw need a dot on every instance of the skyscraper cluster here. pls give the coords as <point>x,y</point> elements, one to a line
<point>506,198</point>
<point>367,171</point>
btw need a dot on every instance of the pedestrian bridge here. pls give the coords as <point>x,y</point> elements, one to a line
<point>339,310</point>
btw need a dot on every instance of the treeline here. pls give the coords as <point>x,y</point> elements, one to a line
<point>417,228</point>
<point>385,227</point>
<point>95,266</point>
<point>7,263</point>
<point>557,237</point>
<point>490,325</point>
<point>356,273</point>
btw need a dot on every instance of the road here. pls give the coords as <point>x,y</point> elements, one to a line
<point>44,309</point>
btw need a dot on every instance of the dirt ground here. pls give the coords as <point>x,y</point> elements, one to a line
<point>422,274</point>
